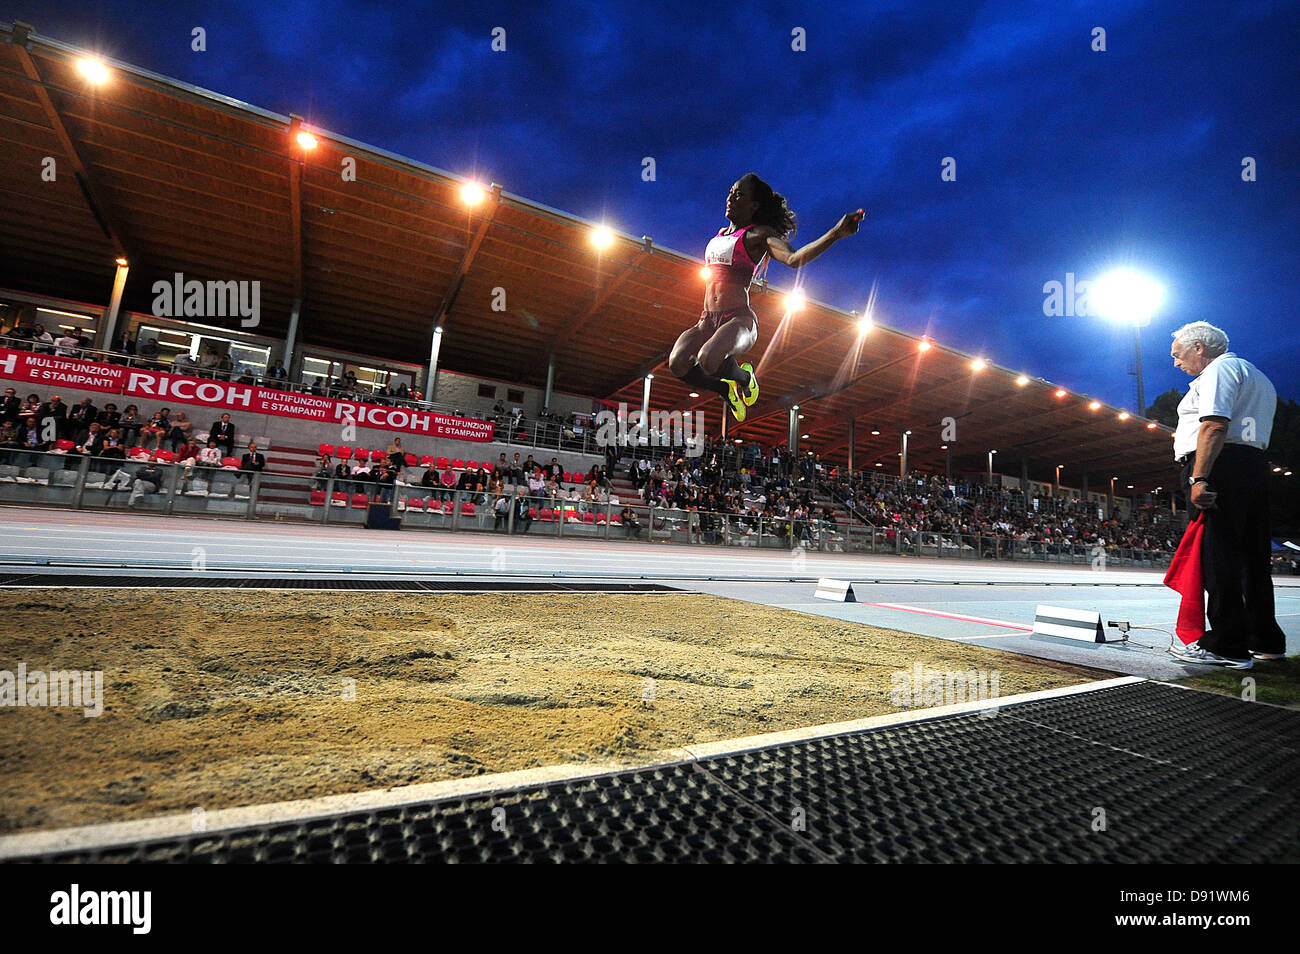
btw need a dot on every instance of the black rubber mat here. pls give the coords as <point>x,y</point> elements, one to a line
<point>295,583</point>
<point>1136,773</point>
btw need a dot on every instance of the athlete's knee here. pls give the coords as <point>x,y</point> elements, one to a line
<point>710,359</point>
<point>680,361</point>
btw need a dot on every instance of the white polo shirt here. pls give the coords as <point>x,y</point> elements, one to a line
<point>1229,387</point>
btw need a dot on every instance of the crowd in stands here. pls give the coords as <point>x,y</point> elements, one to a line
<point>1001,517</point>
<point>32,427</point>
<point>783,493</point>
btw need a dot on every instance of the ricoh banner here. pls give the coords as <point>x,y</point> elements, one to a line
<point>52,372</point>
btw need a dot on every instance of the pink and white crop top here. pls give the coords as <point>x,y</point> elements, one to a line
<point>728,260</point>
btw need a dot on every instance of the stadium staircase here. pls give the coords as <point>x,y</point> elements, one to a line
<point>281,462</point>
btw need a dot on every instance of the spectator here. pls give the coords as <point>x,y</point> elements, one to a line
<point>189,451</point>
<point>385,480</point>
<point>80,418</point>
<point>148,480</point>
<point>109,416</point>
<point>631,525</point>
<point>501,511</point>
<point>210,456</point>
<point>10,437</point>
<point>180,432</point>
<point>112,445</point>
<point>131,425</point>
<point>523,513</point>
<point>150,349</point>
<point>91,442</point>
<point>396,455</point>
<point>156,431</point>
<point>125,342</point>
<point>341,474</point>
<point>431,480</point>
<point>318,386</point>
<point>324,471</point>
<point>10,405</point>
<point>223,432</point>
<point>54,409</point>
<point>254,462</point>
<point>66,345</point>
<point>28,411</point>
<point>42,339</point>
<point>361,476</point>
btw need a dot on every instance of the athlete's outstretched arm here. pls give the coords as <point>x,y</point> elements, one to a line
<point>786,254</point>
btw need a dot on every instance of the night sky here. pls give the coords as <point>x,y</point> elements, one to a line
<point>1067,160</point>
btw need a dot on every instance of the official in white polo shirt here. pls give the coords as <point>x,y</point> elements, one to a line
<point>1224,425</point>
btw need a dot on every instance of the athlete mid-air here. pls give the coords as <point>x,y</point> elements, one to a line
<point>705,354</point>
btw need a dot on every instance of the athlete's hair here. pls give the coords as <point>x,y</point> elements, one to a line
<point>772,210</point>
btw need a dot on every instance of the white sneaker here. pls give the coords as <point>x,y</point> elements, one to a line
<point>1203,657</point>
<point>1267,655</point>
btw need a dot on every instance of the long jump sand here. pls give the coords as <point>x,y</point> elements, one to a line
<point>221,698</point>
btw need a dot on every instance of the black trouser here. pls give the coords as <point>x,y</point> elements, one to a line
<point>1235,556</point>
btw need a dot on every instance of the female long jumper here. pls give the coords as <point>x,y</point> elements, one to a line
<point>705,354</point>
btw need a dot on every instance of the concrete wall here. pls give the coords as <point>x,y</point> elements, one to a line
<point>461,390</point>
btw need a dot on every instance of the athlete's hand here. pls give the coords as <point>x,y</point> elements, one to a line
<point>848,224</point>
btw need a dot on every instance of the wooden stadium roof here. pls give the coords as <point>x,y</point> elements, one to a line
<point>179,179</point>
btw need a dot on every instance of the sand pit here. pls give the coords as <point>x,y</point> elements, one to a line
<point>220,698</point>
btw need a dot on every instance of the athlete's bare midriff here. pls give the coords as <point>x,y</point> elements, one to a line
<point>725,296</point>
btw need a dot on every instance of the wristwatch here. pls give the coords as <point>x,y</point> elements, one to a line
<point>1198,480</point>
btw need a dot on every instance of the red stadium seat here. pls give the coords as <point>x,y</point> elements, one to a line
<point>426,460</point>
<point>600,519</point>
<point>532,512</point>
<point>64,445</point>
<point>378,455</point>
<point>588,518</point>
<point>345,453</point>
<point>318,498</point>
<point>230,462</point>
<point>616,520</point>
<point>467,508</point>
<point>411,460</point>
<point>359,501</point>
<point>448,506</point>
<point>548,514</point>
<point>443,463</point>
<point>457,464</point>
<point>415,503</point>
<point>471,464</point>
<point>165,456</point>
<point>339,499</point>
<point>325,450</point>
<point>487,467</point>
<point>141,452</point>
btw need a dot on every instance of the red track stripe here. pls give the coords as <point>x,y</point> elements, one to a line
<point>968,619</point>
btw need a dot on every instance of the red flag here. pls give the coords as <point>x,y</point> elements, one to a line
<point>1184,575</point>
